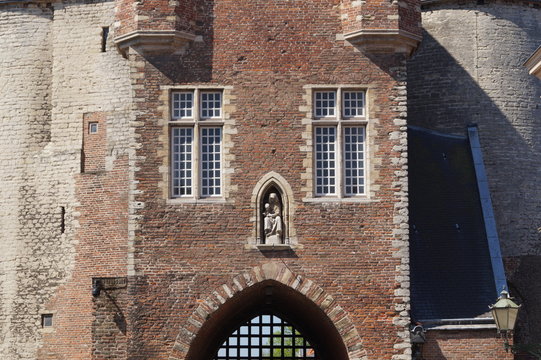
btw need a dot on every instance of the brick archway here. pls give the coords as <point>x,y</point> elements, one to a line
<point>225,298</point>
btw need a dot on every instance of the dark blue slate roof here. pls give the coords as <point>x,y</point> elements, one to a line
<point>451,271</point>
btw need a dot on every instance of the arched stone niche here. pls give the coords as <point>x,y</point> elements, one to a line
<point>271,228</point>
<point>273,192</point>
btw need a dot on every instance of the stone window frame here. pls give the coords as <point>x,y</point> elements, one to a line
<point>196,122</point>
<point>340,121</point>
<point>93,127</point>
<point>47,329</point>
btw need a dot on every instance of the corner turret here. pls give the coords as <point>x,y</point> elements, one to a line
<point>159,26</point>
<point>382,26</point>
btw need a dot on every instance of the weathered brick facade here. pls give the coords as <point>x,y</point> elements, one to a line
<point>196,247</point>
<point>464,344</point>
<point>92,234</point>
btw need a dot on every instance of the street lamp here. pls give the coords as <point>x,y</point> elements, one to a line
<point>418,338</point>
<point>505,313</point>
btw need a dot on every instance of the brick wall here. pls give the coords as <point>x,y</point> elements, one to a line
<point>352,256</point>
<point>464,344</point>
<point>267,53</point>
<point>109,328</point>
<point>94,142</point>
<point>522,272</point>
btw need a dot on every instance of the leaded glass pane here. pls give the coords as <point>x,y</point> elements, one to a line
<point>182,143</point>
<point>211,140</point>
<point>324,104</point>
<point>353,160</point>
<point>182,105</point>
<point>353,104</point>
<point>325,160</point>
<point>211,104</point>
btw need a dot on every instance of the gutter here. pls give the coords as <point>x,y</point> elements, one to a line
<point>459,324</point>
<point>488,212</point>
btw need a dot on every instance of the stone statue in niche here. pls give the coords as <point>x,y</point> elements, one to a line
<point>273,220</point>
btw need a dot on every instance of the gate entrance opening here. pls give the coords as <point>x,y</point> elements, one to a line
<point>266,336</point>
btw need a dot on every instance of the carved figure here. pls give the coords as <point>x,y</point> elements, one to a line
<point>273,220</point>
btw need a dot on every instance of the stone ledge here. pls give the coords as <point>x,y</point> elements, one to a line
<point>274,247</point>
<point>533,64</point>
<point>154,41</point>
<point>323,199</point>
<point>486,323</point>
<point>382,41</point>
<point>202,201</point>
<point>44,3</point>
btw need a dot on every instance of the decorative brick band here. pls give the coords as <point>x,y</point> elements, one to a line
<point>280,273</point>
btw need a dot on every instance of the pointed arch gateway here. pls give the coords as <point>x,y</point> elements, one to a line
<point>269,297</point>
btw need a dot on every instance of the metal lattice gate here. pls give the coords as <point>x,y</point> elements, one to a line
<point>266,337</point>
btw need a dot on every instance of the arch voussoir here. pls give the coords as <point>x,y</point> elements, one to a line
<point>280,273</point>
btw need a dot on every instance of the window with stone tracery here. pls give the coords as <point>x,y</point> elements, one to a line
<point>196,126</point>
<point>339,133</point>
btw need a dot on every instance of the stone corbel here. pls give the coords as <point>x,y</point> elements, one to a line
<point>533,64</point>
<point>154,41</point>
<point>381,41</point>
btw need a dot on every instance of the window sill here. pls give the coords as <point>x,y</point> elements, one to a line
<point>180,201</point>
<point>273,247</point>
<point>343,120</point>
<point>48,330</point>
<point>363,200</point>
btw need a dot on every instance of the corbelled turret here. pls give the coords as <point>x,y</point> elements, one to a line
<point>158,26</point>
<point>382,26</point>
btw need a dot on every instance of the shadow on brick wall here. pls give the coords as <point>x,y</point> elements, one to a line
<point>194,64</point>
<point>444,96</point>
<point>109,328</point>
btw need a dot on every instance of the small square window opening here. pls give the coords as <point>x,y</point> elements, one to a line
<point>93,128</point>
<point>104,36</point>
<point>46,320</point>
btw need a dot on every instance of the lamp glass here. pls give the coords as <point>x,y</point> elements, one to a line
<point>512,317</point>
<point>505,313</point>
<point>501,316</point>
